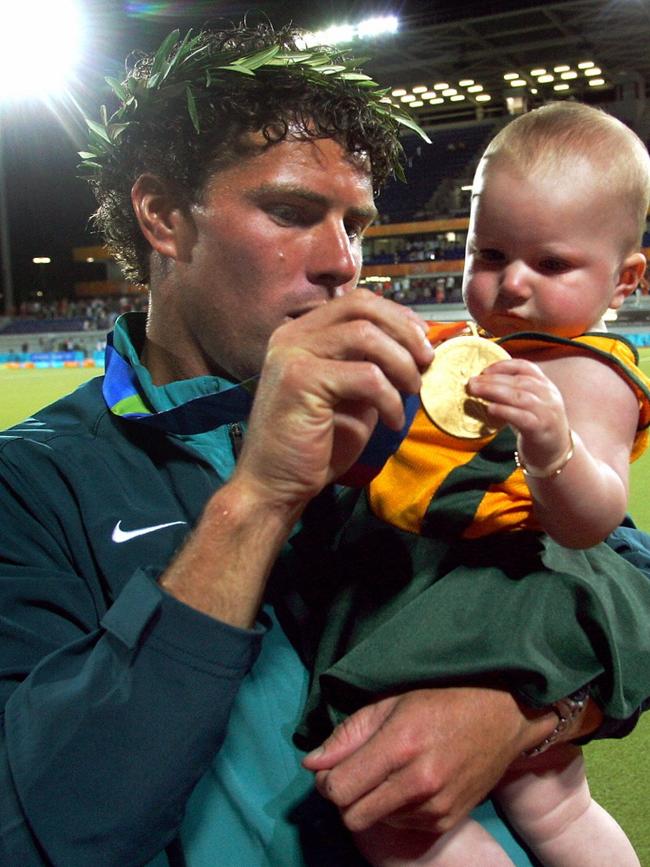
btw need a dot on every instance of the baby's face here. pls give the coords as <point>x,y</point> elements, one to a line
<point>544,253</point>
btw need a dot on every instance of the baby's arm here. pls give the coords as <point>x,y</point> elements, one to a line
<point>546,799</point>
<point>583,503</point>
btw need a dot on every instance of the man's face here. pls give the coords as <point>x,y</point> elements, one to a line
<point>273,237</point>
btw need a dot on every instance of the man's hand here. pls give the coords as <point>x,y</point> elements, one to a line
<point>424,759</point>
<point>328,376</point>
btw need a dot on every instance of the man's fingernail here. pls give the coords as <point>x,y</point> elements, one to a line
<point>315,754</point>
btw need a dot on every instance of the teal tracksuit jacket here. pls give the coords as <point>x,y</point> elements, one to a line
<point>115,697</point>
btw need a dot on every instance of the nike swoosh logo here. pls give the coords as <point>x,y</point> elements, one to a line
<point>120,535</point>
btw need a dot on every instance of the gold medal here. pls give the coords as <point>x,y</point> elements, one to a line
<point>444,385</point>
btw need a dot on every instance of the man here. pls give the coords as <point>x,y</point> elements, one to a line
<point>150,691</point>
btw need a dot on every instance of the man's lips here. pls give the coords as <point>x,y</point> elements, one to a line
<point>301,311</point>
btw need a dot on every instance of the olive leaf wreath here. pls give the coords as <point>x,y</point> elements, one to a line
<point>192,67</point>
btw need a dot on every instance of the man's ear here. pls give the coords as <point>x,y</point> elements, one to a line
<point>632,270</point>
<point>163,222</point>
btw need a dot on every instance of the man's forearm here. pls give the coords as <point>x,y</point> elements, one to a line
<point>223,568</point>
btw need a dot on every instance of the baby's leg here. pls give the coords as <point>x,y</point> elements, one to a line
<point>547,800</point>
<point>467,843</point>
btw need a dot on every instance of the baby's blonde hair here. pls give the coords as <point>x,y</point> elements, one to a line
<point>556,135</point>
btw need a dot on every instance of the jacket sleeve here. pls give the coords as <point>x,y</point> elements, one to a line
<point>111,713</point>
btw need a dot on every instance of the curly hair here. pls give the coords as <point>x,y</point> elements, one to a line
<point>276,101</point>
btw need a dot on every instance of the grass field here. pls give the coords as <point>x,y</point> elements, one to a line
<point>619,771</point>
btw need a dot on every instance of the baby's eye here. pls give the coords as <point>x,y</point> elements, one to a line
<point>489,255</point>
<point>553,265</point>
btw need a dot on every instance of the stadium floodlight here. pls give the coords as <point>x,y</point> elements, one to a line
<point>377,26</point>
<point>466,82</point>
<point>546,79</point>
<point>368,28</point>
<point>399,91</point>
<point>451,91</point>
<point>483,97</point>
<point>55,35</point>
<point>419,88</point>
<point>586,64</point>
<point>518,82</point>
<point>441,85</point>
<point>54,32</point>
<point>539,71</point>
<point>596,82</point>
<point>510,76</point>
<point>332,35</point>
<point>560,87</point>
<point>475,88</point>
<point>594,70</point>
<point>41,260</point>
<point>569,75</point>
<point>562,68</point>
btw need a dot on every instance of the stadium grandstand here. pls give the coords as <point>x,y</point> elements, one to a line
<point>463,71</point>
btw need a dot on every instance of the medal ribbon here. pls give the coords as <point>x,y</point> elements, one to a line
<point>124,398</point>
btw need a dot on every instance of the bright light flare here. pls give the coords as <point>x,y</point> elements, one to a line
<point>42,45</point>
<point>369,28</point>
<point>377,26</point>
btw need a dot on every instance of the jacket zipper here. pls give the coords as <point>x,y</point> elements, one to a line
<point>236,432</point>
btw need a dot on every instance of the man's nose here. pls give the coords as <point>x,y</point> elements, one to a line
<point>335,259</point>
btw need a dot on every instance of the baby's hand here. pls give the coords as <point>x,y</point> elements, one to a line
<point>519,393</point>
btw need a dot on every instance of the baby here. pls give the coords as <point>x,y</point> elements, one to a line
<point>559,203</point>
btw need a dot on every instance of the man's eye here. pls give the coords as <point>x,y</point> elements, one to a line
<point>355,231</point>
<point>288,215</point>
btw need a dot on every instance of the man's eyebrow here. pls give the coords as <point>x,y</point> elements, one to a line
<point>296,191</point>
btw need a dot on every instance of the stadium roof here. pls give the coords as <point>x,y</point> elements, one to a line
<point>483,42</point>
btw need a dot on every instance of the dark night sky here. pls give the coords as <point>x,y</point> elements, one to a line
<point>48,205</point>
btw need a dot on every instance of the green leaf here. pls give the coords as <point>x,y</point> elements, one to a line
<point>234,67</point>
<point>164,50</point>
<point>191,107</point>
<point>98,129</point>
<point>183,49</point>
<point>403,119</point>
<point>117,87</point>
<point>329,70</point>
<point>87,155</point>
<point>115,130</point>
<point>191,58</point>
<point>260,58</point>
<point>134,84</point>
<point>89,164</point>
<point>356,76</point>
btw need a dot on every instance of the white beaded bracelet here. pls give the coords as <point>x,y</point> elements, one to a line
<point>568,710</point>
<point>555,469</point>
